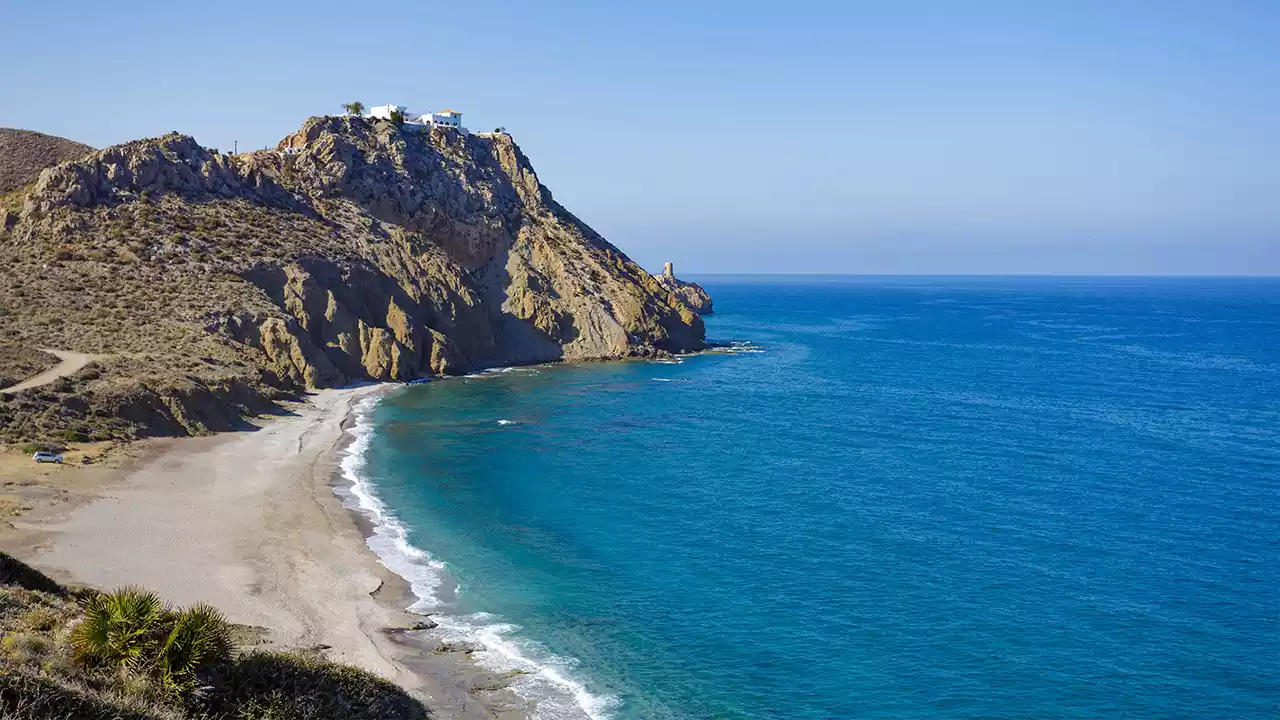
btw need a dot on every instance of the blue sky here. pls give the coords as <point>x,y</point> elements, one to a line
<point>891,137</point>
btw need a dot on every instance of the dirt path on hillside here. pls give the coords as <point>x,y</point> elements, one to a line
<point>71,363</point>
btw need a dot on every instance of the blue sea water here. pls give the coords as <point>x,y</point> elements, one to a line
<point>918,498</point>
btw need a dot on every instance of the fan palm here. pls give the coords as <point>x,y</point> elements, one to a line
<point>200,636</point>
<point>119,627</point>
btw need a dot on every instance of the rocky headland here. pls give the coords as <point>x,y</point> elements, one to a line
<point>691,293</point>
<point>212,285</point>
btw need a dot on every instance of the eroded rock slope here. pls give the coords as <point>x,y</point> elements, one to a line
<point>358,249</point>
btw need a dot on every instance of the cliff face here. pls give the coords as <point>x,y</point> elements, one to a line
<point>358,250</point>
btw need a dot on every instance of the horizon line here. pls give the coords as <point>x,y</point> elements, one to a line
<point>987,275</point>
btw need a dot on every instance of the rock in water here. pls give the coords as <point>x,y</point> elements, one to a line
<point>357,249</point>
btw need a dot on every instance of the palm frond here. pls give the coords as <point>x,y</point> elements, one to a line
<point>200,636</point>
<point>119,627</point>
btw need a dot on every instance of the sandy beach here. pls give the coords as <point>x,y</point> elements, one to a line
<point>249,522</point>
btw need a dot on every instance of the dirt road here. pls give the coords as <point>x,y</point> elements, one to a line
<point>71,362</point>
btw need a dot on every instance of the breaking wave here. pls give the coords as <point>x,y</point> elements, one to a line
<point>539,676</point>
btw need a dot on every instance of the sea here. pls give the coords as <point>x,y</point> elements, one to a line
<point>876,497</point>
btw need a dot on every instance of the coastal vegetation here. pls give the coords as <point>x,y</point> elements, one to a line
<point>127,655</point>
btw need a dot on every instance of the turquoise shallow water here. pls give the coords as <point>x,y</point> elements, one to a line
<point>943,498</point>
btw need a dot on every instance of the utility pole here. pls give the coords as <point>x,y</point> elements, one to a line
<point>236,150</point>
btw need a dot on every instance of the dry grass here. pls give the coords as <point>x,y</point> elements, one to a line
<point>142,282</point>
<point>18,362</point>
<point>42,679</point>
<point>23,154</point>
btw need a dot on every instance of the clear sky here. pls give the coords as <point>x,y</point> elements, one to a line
<point>960,136</point>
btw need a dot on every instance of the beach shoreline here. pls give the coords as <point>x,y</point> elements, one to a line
<point>249,521</point>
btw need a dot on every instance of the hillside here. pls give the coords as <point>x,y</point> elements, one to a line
<point>23,154</point>
<point>219,283</point>
<point>19,361</point>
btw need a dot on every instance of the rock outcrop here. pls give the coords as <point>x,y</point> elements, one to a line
<point>356,250</point>
<point>690,293</point>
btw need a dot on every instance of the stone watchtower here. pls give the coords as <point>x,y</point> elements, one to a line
<point>669,270</point>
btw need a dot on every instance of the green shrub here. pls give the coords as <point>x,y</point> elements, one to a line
<point>129,657</point>
<point>25,647</point>
<point>40,618</point>
<point>132,632</point>
<point>71,436</point>
<point>200,637</point>
<point>119,628</point>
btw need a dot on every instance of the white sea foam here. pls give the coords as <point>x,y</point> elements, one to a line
<point>389,539</point>
<point>545,678</point>
<point>737,348</point>
<point>490,372</point>
<point>505,421</point>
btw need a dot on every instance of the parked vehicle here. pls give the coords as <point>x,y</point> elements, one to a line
<point>45,456</point>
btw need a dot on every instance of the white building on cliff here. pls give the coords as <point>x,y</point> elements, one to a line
<point>384,112</point>
<point>447,118</point>
<point>414,121</point>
